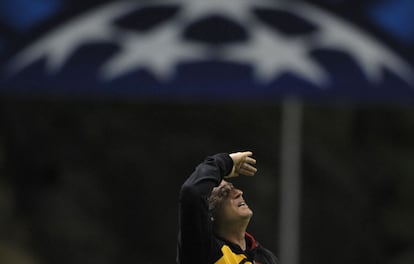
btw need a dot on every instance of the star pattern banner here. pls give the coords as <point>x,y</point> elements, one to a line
<point>208,49</point>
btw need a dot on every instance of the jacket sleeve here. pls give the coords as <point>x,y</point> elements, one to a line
<point>195,236</point>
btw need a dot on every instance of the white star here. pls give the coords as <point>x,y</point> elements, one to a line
<point>59,45</point>
<point>236,10</point>
<point>272,55</point>
<point>159,51</point>
<point>370,54</point>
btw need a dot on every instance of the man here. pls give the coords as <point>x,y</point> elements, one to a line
<point>213,216</point>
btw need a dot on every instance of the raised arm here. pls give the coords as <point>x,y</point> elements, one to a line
<point>195,237</point>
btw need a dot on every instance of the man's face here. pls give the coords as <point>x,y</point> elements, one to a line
<point>233,207</point>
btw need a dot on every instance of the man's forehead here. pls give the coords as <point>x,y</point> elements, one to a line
<point>225,183</point>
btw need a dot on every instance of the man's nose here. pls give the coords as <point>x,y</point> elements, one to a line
<point>238,192</point>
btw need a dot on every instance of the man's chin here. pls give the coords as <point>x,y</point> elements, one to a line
<point>248,214</point>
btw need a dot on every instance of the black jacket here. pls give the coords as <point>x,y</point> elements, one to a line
<point>196,241</point>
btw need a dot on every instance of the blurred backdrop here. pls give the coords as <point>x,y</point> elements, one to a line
<point>107,107</point>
